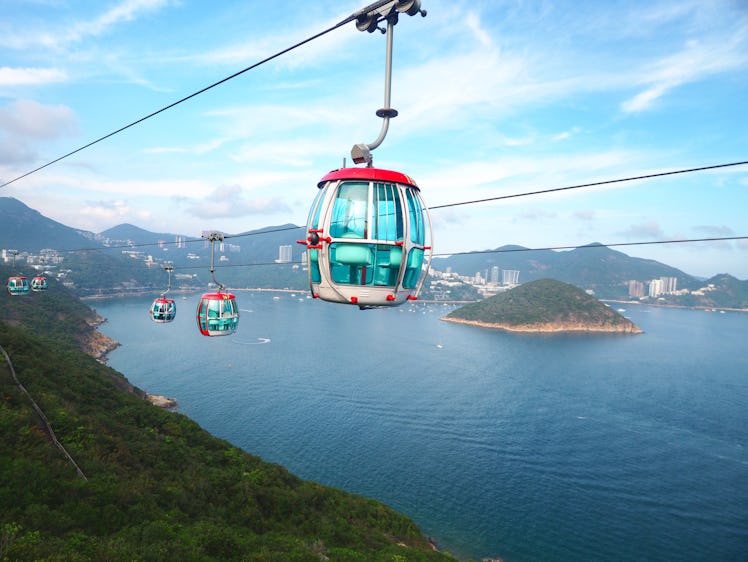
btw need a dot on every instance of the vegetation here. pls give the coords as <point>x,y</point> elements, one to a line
<point>545,302</point>
<point>158,487</point>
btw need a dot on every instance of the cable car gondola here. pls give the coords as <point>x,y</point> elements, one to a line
<point>217,313</point>
<point>164,309</point>
<point>367,228</point>
<point>39,283</point>
<point>18,285</point>
<point>367,235</point>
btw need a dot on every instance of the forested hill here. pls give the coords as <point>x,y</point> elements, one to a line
<point>546,305</point>
<point>157,486</point>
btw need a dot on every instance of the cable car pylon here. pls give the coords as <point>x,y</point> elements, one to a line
<point>367,227</point>
<point>164,309</point>
<point>217,313</point>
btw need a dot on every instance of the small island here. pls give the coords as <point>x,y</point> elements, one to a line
<point>544,306</point>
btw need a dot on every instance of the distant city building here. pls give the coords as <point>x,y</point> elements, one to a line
<point>655,288</point>
<point>510,277</point>
<point>636,289</point>
<point>495,275</point>
<point>180,241</point>
<point>285,254</point>
<point>669,284</point>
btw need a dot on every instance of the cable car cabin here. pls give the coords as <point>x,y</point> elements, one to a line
<point>18,285</point>
<point>39,283</point>
<point>163,310</point>
<point>217,314</point>
<point>366,238</point>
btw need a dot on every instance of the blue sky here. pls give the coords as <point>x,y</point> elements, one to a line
<point>495,98</point>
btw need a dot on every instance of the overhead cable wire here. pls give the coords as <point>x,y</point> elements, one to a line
<point>592,246</point>
<point>592,184</point>
<point>509,250</point>
<point>436,207</point>
<point>343,22</point>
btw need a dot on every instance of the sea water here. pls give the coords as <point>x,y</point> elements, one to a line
<point>519,446</point>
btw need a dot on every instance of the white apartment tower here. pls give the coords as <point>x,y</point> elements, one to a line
<point>285,254</point>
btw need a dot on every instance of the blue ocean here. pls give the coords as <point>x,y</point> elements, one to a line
<point>524,447</point>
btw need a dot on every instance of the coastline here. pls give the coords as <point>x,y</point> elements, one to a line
<point>98,345</point>
<point>681,306</point>
<point>549,328</point>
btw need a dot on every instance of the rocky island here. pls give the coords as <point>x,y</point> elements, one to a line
<point>546,305</point>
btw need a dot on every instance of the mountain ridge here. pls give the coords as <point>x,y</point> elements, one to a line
<point>592,266</point>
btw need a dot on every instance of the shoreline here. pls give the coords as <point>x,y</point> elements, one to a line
<point>545,328</point>
<point>681,306</point>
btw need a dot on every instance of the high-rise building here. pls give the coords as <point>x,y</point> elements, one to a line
<point>669,284</point>
<point>495,275</point>
<point>509,277</point>
<point>655,288</point>
<point>285,254</point>
<point>636,289</point>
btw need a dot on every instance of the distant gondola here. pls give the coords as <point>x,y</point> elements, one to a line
<point>217,313</point>
<point>39,283</point>
<point>164,309</point>
<point>18,285</point>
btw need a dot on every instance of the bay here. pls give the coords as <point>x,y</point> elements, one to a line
<point>527,447</point>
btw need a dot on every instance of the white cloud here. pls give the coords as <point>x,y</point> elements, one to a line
<point>230,201</point>
<point>29,118</point>
<point>30,76</point>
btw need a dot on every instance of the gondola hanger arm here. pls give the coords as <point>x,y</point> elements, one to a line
<point>369,19</point>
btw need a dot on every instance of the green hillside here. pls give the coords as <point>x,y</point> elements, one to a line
<point>156,486</point>
<point>544,305</point>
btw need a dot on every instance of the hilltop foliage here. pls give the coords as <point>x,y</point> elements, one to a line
<point>158,486</point>
<point>541,302</point>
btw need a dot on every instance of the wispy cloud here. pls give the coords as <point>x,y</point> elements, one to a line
<point>696,61</point>
<point>644,231</point>
<point>62,31</point>
<point>714,231</point>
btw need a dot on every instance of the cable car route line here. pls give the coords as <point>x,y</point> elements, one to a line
<point>45,421</point>
<point>346,21</point>
<point>507,250</point>
<point>593,184</point>
<point>444,206</point>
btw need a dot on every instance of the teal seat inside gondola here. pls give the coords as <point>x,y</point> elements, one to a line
<point>351,263</point>
<point>353,254</point>
<point>389,260</point>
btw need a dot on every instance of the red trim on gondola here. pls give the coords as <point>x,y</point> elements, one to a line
<point>218,296</point>
<point>371,174</point>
